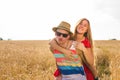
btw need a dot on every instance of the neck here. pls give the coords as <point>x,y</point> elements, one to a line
<point>80,37</point>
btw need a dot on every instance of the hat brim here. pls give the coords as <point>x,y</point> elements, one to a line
<point>55,28</point>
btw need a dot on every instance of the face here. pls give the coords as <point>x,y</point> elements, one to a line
<point>82,27</point>
<point>61,36</point>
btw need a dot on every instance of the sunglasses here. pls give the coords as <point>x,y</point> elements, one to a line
<point>63,35</point>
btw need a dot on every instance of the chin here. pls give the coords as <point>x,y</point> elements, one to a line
<point>60,42</point>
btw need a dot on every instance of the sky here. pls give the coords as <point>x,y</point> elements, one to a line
<point>34,19</point>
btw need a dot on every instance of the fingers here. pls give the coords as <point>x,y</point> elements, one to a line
<point>80,46</point>
<point>69,57</point>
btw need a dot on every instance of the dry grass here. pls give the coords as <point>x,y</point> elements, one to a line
<point>26,60</point>
<point>32,60</point>
<point>107,59</point>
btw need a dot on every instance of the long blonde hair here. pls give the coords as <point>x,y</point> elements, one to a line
<point>88,34</point>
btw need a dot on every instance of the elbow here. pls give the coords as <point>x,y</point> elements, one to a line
<point>91,63</point>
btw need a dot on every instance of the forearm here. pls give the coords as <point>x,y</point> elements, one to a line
<point>90,61</point>
<point>87,52</point>
<point>93,70</point>
<point>89,56</point>
<point>54,45</point>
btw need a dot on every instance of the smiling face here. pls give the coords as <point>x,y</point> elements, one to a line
<point>62,36</point>
<point>82,27</point>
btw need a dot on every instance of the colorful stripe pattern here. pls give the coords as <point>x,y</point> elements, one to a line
<point>66,66</point>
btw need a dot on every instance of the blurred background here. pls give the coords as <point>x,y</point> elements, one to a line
<point>34,19</point>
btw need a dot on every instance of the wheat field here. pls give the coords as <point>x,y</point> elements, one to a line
<point>32,60</point>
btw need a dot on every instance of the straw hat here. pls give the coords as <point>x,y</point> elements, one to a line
<point>63,25</point>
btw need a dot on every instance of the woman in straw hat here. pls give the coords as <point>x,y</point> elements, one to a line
<point>69,69</point>
<point>82,34</point>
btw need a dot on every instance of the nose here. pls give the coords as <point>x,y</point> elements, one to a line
<point>61,36</point>
<point>81,26</point>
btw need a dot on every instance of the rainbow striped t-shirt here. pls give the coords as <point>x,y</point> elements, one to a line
<point>66,66</point>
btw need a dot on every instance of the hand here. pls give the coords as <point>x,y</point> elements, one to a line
<point>52,42</point>
<point>68,55</point>
<point>58,77</point>
<point>80,46</point>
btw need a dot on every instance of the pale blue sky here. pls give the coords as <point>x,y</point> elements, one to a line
<point>34,19</point>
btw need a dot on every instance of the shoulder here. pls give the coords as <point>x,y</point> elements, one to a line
<point>86,43</point>
<point>70,43</point>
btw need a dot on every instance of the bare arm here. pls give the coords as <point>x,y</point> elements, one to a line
<point>54,45</point>
<point>87,53</point>
<point>88,58</point>
<point>67,52</point>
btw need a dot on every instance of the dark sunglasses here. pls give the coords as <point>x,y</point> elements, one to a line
<point>59,34</point>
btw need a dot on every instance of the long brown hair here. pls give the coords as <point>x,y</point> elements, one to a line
<point>88,34</point>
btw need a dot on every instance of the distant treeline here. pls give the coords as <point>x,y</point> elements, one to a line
<point>1,38</point>
<point>113,39</point>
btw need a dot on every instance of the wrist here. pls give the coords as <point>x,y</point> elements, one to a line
<point>96,78</point>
